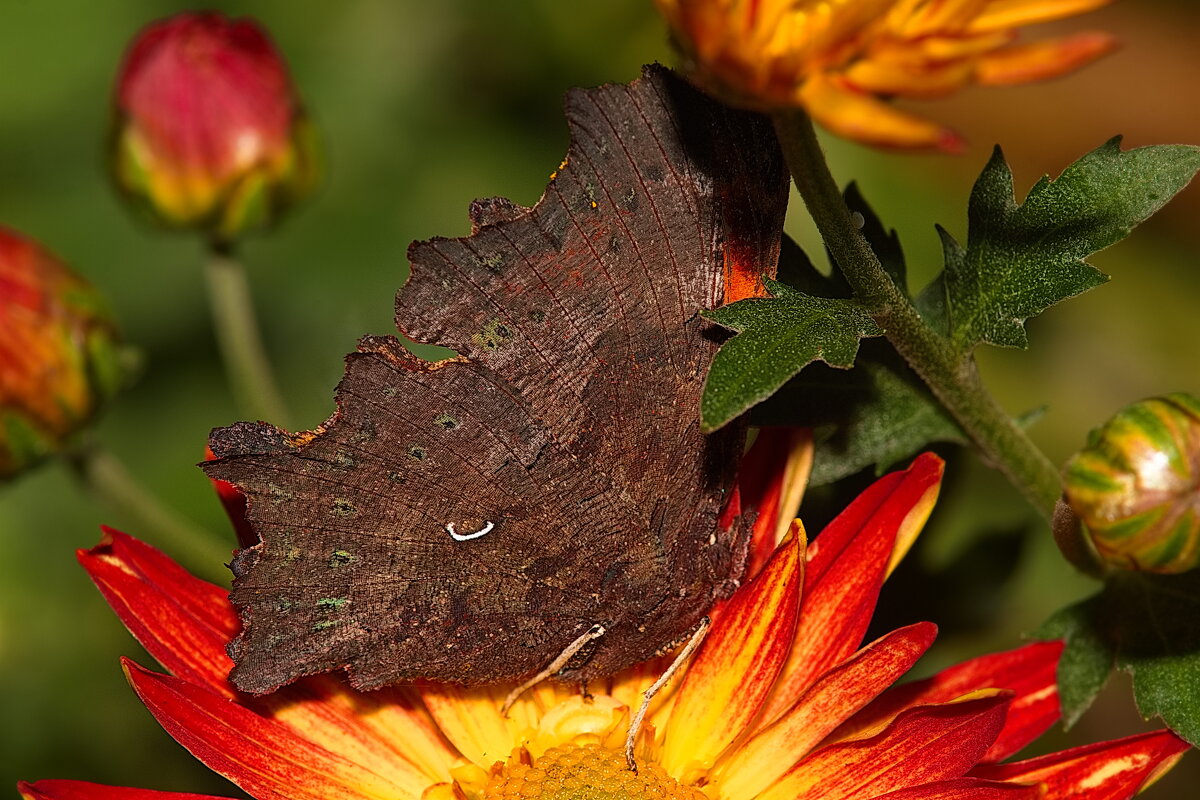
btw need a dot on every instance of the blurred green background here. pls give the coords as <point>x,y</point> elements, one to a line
<point>423,107</point>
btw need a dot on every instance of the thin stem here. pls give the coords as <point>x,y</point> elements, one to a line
<point>106,478</point>
<point>238,337</point>
<point>954,380</point>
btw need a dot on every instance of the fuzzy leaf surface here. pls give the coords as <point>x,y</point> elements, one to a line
<point>776,338</point>
<point>1145,625</point>
<point>1021,259</point>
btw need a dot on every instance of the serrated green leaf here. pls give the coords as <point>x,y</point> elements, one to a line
<point>1021,259</point>
<point>1143,624</point>
<point>777,337</point>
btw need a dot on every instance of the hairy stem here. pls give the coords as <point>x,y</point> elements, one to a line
<point>953,380</point>
<point>246,364</point>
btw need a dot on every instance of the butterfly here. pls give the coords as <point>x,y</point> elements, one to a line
<point>466,519</point>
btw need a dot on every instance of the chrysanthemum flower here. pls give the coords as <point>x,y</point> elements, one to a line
<point>779,702</point>
<point>838,58</point>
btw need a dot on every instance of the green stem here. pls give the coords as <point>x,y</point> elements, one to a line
<point>107,479</point>
<point>238,337</point>
<point>954,380</point>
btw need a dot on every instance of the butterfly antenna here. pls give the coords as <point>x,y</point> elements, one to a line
<point>594,632</point>
<point>636,725</point>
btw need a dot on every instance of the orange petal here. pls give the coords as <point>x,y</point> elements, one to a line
<point>1016,13</point>
<point>847,563</point>
<point>771,482</point>
<point>732,673</point>
<point>470,718</point>
<point>967,789</point>
<point>1038,61</point>
<point>265,758</point>
<point>377,728</point>
<point>923,745</point>
<point>1028,672</point>
<point>182,621</point>
<point>1113,770</point>
<point>759,762</point>
<point>863,117</point>
<point>82,790</point>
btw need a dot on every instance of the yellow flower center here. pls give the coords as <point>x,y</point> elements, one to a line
<point>585,772</point>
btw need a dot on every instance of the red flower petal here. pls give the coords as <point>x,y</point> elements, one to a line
<point>182,621</point>
<point>1114,770</point>
<point>833,697</point>
<point>82,790</point>
<point>771,481</point>
<point>847,563</point>
<point>735,668</point>
<point>1028,672</point>
<point>967,789</point>
<point>922,745</point>
<point>264,757</point>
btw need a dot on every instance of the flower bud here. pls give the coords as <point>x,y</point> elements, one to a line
<point>59,357</point>
<point>209,133</point>
<point>1136,486</point>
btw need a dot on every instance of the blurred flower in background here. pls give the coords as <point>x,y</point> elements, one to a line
<point>59,353</point>
<point>1136,486</point>
<point>209,132</point>
<point>779,701</point>
<point>840,60</point>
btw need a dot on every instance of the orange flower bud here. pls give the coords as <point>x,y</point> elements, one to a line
<point>1136,486</point>
<point>840,60</point>
<point>209,132</point>
<point>59,358</point>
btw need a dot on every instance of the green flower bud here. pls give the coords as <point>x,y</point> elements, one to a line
<point>209,133</point>
<point>1136,486</point>
<point>59,355</point>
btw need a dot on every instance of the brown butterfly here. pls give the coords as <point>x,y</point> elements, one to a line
<point>465,520</point>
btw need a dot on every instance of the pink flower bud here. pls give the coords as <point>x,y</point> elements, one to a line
<point>59,357</point>
<point>209,132</point>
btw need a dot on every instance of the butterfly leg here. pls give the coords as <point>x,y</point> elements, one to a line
<point>636,725</point>
<point>594,632</point>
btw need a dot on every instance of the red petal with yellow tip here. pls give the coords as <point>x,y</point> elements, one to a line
<point>1039,61</point>
<point>835,696</point>
<point>967,789</point>
<point>1114,770</point>
<point>1029,672</point>
<point>729,678</point>
<point>923,745</point>
<point>771,481</point>
<point>265,758</point>
<point>863,117</point>
<point>82,790</point>
<point>182,621</point>
<point>847,563</point>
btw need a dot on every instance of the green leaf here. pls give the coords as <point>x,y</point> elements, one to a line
<point>1021,259</point>
<point>1141,623</point>
<point>776,338</point>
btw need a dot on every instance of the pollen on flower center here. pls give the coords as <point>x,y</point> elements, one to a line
<point>585,772</point>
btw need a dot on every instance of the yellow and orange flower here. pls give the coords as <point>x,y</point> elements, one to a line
<point>780,701</point>
<point>838,58</point>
